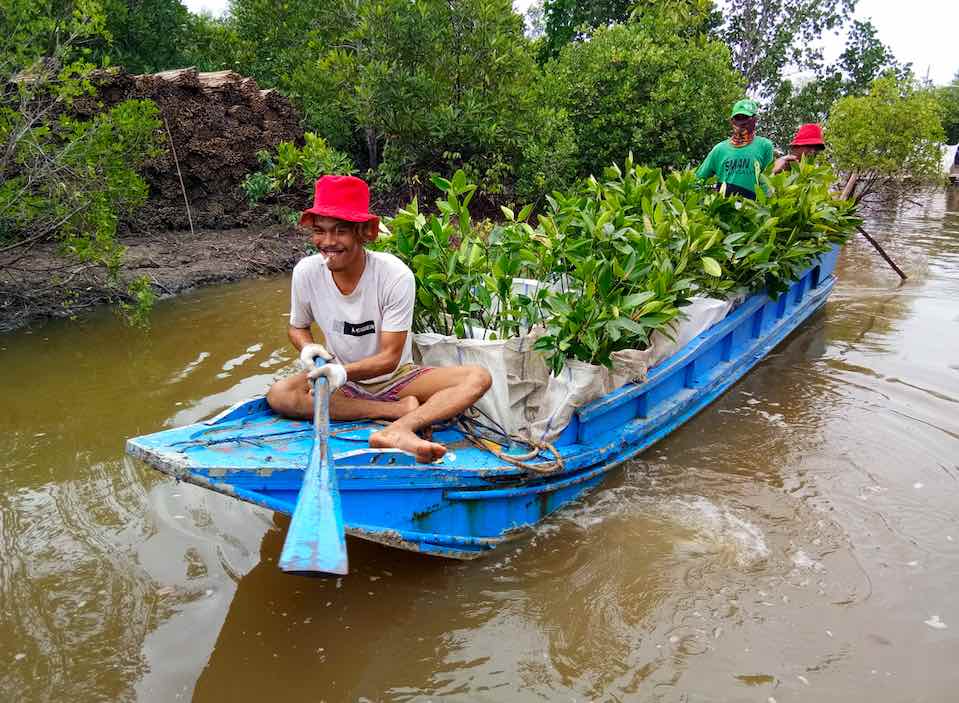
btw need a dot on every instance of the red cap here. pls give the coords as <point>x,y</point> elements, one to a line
<point>808,134</point>
<point>343,197</point>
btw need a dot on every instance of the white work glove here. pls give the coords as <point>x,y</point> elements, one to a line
<point>335,374</point>
<point>310,351</point>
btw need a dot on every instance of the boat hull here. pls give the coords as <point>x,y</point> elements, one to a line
<point>473,502</point>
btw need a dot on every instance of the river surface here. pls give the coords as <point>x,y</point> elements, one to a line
<point>798,540</point>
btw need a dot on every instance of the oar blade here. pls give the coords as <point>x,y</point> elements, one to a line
<point>316,541</point>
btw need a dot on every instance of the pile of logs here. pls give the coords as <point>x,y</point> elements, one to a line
<point>213,126</point>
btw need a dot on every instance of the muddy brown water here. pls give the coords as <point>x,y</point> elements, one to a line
<point>798,540</point>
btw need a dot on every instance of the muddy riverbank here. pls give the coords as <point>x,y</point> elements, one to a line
<point>44,283</point>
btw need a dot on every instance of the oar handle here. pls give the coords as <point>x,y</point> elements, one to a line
<point>321,408</point>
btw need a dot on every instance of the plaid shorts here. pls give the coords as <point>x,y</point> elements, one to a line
<point>385,391</point>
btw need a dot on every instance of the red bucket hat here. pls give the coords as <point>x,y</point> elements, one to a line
<point>808,135</point>
<point>343,197</point>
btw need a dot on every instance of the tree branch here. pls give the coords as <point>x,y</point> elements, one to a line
<point>41,235</point>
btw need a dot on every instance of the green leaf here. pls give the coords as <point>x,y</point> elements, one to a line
<point>712,267</point>
<point>636,299</point>
<point>441,183</point>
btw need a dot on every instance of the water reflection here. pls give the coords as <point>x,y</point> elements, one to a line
<point>329,633</point>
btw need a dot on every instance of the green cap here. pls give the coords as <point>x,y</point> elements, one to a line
<point>745,107</point>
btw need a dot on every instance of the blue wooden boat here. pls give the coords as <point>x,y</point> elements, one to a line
<point>474,501</point>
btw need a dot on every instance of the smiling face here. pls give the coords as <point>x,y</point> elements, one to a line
<point>341,242</point>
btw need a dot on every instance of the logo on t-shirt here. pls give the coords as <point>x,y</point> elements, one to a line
<point>739,166</point>
<point>360,329</point>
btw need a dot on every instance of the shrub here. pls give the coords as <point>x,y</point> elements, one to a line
<point>412,88</point>
<point>62,178</point>
<point>650,91</point>
<point>292,166</point>
<point>618,257</point>
<point>889,138</point>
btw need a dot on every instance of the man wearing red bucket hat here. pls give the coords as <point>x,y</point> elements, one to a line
<point>362,302</point>
<point>807,142</point>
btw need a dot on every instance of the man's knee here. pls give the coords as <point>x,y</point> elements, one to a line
<point>275,397</point>
<point>282,396</point>
<point>478,379</point>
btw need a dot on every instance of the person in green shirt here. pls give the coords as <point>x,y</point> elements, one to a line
<point>734,161</point>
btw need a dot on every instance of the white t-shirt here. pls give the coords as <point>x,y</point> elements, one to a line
<point>351,324</point>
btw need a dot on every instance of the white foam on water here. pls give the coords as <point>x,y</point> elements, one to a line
<point>718,529</point>
<point>801,560</point>
<point>190,368</point>
<point>777,419</point>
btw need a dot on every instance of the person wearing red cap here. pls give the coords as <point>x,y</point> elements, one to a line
<point>362,302</point>
<point>807,142</point>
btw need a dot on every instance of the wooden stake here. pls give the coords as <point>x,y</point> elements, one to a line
<point>176,162</point>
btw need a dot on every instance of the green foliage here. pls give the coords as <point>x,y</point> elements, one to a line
<point>59,31</point>
<point>62,178</point>
<point>567,20</point>
<point>139,303</point>
<point>948,97</point>
<point>147,35</point>
<point>617,257</point>
<point>409,88</point>
<point>767,36</point>
<point>889,137</point>
<point>864,59</point>
<point>646,89</point>
<point>276,39</point>
<point>211,44</point>
<point>73,179</point>
<point>292,166</point>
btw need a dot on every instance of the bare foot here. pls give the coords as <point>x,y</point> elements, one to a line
<point>392,438</point>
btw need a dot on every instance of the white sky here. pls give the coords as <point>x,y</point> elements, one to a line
<point>925,32</point>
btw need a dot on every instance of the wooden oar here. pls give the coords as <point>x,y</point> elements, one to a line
<point>848,191</point>
<point>316,542</point>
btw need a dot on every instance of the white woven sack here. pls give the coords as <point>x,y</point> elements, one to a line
<point>441,350</point>
<point>697,317</point>
<point>527,376</point>
<point>576,385</point>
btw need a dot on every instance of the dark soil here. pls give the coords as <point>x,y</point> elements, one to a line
<point>42,283</point>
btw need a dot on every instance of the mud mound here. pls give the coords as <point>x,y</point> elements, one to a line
<point>215,123</point>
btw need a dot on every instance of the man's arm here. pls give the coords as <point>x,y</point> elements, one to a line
<point>383,362</point>
<point>299,336</point>
<point>782,163</point>
<point>769,154</point>
<point>706,169</point>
